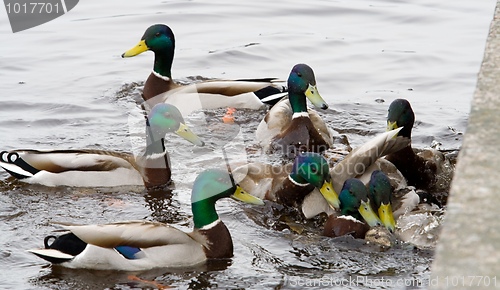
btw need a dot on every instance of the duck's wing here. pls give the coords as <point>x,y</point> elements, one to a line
<point>314,203</point>
<point>233,88</point>
<point>383,144</point>
<point>398,181</point>
<point>260,179</point>
<point>219,94</point>
<point>320,126</point>
<point>28,162</point>
<point>80,168</point>
<point>140,234</point>
<point>360,159</point>
<point>276,120</point>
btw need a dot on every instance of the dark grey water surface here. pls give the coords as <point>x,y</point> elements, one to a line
<point>63,85</point>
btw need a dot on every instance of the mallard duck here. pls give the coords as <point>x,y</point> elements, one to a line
<point>100,168</point>
<point>403,198</point>
<point>144,245</point>
<point>356,213</point>
<point>289,127</point>
<point>380,193</point>
<point>381,198</point>
<point>419,169</point>
<point>159,87</point>
<point>361,161</point>
<point>291,183</point>
<point>417,222</point>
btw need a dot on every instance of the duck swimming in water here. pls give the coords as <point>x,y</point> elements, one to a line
<point>102,168</point>
<point>290,127</point>
<point>289,184</point>
<point>422,170</point>
<point>356,213</point>
<point>212,94</point>
<point>145,245</point>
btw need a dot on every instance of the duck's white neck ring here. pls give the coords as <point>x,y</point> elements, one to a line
<point>167,79</point>
<point>156,156</point>
<point>297,183</point>
<point>350,218</point>
<point>300,115</point>
<point>210,225</point>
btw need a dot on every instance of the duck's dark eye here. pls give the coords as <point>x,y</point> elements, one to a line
<point>299,74</point>
<point>314,169</point>
<point>157,34</point>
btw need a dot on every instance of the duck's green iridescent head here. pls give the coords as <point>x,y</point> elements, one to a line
<point>310,167</point>
<point>160,39</point>
<point>210,186</point>
<point>302,82</point>
<point>380,191</point>
<point>401,115</point>
<point>166,118</point>
<point>354,201</point>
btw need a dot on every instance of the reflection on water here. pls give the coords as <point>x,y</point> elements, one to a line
<point>65,86</point>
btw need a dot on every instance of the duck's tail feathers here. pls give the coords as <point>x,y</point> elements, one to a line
<point>16,166</point>
<point>52,255</point>
<point>262,80</point>
<point>62,248</point>
<point>271,94</point>
<point>270,99</point>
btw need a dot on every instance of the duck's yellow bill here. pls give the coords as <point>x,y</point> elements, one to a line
<point>187,134</point>
<point>138,49</point>
<point>242,195</point>
<point>313,95</point>
<point>366,211</point>
<point>385,214</point>
<point>391,125</point>
<point>330,194</point>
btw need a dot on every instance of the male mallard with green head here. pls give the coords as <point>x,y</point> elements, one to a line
<point>144,245</point>
<point>101,168</point>
<point>420,172</point>
<point>380,193</point>
<point>357,202</point>
<point>289,127</point>
<point>160,87</point>
<point>291,183</point>
<point>356,213</point>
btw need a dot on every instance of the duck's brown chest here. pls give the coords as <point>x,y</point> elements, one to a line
<point>299,136</point>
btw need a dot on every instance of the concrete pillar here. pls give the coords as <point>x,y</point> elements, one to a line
<point>468,252</point>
